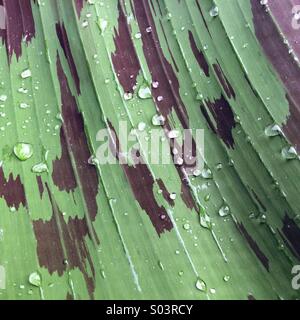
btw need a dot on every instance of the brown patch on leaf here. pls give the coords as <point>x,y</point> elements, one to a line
<point>125,59</point>
<point>165,192</point>
<point>40,185</point>
<point>61,246</point>
<point>161,70</point>
<point>64,42</point>
<point>19,26</point>
<point>224,118</point>
<point>75,144</point>
<point>142,182</point>
<point>79,5</point>
<point>199,55</point>
<point>224,81</point>
<point>12,190</point>
<point>270,39</point>
<point>291,232</point>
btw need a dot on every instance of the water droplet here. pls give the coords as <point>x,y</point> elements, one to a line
<point>158,120</point>
<point>26,74</point>
<point>141,126</point>
<point>226,278</point>
<point>207,197</point>
<point>40,168</point>
<point>173,134</point>
<point>35,279</point>
<point>173,196</point>
<point>272,130</point>
<point>161,266</point>
<point>138,35</point>
<point>149,30</point>
<point>160,98</point>
<point>224,211</point>
<point>3,97</point>
<point>214,11</point>
<point>206,174</point>
<point>144,92</point>
<point>24,105</point>
<point>128,96</point>
<point>155,84</point>
<point>23,151</point>
<point>201,285</point>
<point>205,221</point>
<point>186,226</point>
<point>289,153</point>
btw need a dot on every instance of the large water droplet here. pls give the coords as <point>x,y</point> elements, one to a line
<point>23,151</point>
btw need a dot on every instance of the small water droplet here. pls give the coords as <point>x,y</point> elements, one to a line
<point>201,285</point>
<point>173,134</point>
<point>214,11</point>
<point>141,126</point>
<point>35,279</point>
<point>289,153</point>
<point>226,278</point>
<point>26,74</point>
<point>224,211</point>
<point>206,173</point>
<point>144,92</point>
<point>158,120</point>
<point>272,130</point>
<point>40,168</point>
<point>186,226</point>
<point>128,96</point>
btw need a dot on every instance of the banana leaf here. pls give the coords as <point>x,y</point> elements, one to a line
<point>74,228</point>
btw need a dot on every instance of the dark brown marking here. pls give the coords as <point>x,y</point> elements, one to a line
<point>165,192</point>
<point>19,26</point>
<point>267,32</point>
<point>292,233</point>
<point>79,6</point>
<point>12,190</point>
<point>65,44</point>
<point>77,145</point>
<point>40,185</point>
<point>199,55</point>
<point>224,81</point>
<point>161,70</point>
<point>62,246</point>
<point>125,60</point>
<point>254,246</point>
<point>224,118</point>
<point>141,182</point>
<point>207,118</point>
<point>63,174</point>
